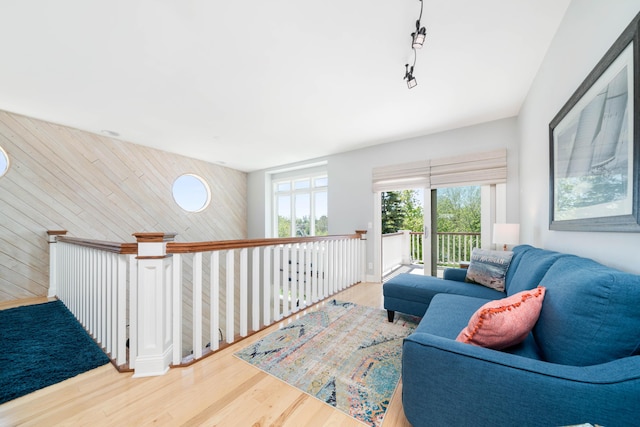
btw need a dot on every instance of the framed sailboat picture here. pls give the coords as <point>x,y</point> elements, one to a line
<point>595,146</point>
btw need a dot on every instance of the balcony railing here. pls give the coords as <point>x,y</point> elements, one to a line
<point>405,247</point>
<point>156,302</point>
<point>454,248</point>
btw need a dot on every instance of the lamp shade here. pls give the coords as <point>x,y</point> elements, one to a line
<point>507,234</point>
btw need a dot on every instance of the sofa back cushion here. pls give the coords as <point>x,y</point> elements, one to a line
<point>590,314</point>
<point>528,267</point>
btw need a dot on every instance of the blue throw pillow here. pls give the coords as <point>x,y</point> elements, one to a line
<point>489,268</point>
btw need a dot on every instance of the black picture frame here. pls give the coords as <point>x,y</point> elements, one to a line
<point>594,146</point>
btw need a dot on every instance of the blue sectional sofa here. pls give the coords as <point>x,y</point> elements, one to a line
<point>579,364</point>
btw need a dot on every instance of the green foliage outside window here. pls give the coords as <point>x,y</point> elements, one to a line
<point>284,226</point>
<point>322,226</point>
<point>458,210</point>
<point>303,226</point>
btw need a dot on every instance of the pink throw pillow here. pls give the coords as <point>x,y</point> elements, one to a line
<point>506,322</point>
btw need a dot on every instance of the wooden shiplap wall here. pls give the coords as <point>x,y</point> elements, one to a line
<point>99,188</point>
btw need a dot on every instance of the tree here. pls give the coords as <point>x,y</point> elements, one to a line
<point>402,210</point>
<point>459,209</point>
<point>284,226</point>
<point>322,226</point>
<point>303,226</point>
<point>393,213</point>
<point>414,213</point>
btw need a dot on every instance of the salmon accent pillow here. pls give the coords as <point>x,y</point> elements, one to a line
<point>505,322</point>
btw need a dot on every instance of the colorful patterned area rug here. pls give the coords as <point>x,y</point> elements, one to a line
<point>346,355</point>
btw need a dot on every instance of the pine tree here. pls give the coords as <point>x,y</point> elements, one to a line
<point>393,213</point>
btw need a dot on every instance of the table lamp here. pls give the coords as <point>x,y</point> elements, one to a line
<point>507,234</point>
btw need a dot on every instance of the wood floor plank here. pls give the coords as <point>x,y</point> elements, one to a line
<point>220,390</point>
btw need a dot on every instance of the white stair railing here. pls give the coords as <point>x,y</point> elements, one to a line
<point>159,302</point>
<point>92,278</point>
<point>262,283</point>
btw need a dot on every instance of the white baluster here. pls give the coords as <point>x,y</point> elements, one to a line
<point>266,285</point>
<point>329,269</point>
<point>177,308</point>
<point>121,307</point>
<point>315,267</point>
<point>230,301</point>
<point>197,305</point>
<point>309,294</point>
<point>276,283</point>
<point>285,280</point>
<point>244,294</point>
<point>214,291</point>
<point>107,328</point>
<point>293,276</point>
<point>255,289</point>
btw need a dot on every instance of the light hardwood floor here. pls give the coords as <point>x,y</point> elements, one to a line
<point>218,391</point>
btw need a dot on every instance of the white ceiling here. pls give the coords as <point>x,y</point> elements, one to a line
<point>259,83</point>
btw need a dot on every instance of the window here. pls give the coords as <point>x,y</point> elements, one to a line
<point>4,162</point>
<point>300,204</point>
<point>191,193</point>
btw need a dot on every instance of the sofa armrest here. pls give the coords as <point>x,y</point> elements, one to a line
<point>457,274</point>
<point>446,382</point>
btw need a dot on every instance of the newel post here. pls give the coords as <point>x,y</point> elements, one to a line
<point>53,260</point>
<point>363,254</point>
<point>154,314</point>
<point>406,246</point>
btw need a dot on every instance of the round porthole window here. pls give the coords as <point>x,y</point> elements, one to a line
<point>4,162</point>
<point>191,193</point>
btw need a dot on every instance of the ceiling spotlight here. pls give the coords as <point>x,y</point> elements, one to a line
<point>411,81</point>
<point>419,36</point>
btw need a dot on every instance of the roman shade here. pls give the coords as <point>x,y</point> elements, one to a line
<point>405,176</point>
<point>489,167</point>
<point>470,169</point>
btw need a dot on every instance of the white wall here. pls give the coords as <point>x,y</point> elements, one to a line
<point>588,30</point>
<point>350,196</point>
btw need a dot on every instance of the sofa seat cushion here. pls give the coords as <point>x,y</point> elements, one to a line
<point>590,315</point>
<point>422,289</point>
<point>449,314</point>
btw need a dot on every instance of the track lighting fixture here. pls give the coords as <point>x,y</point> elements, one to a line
<point>408,75</point>
<point>417,40</point>
<point>419,36</point>
<point>411,81</point>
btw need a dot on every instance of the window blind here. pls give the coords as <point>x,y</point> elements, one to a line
<point>470,169</point>
<point>405,176</point>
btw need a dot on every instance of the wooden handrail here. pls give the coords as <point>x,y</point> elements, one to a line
<point>118,248</point>
<point>191,247</point>
<point>181,248</point>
